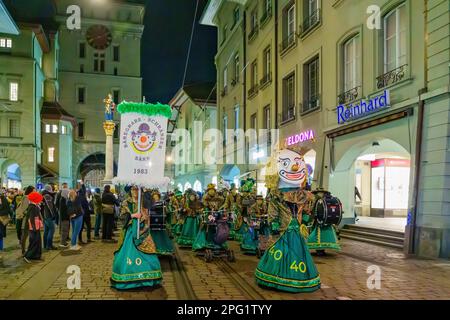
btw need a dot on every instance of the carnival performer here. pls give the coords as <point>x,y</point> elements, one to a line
<point>176,206</point>
<point>257,226</point>
<point>323,236</point>
<point>135,263</point>
<point>153,203</point>
<point>193,208</point>
<point>212,202</point>
<point>288,265</point>
<point>247,199</point>
<point>232,207</point>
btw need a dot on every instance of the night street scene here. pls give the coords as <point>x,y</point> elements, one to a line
<point>244,151</point>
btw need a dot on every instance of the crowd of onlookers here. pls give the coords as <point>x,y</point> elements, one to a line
<point>37,215</point>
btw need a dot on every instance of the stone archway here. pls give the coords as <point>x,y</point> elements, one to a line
<point>92,170</point>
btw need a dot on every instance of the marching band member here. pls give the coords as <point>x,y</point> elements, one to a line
<point>135,263</point>
<point>192,208</point>
<point>232,207</point>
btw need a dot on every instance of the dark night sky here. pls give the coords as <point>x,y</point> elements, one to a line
<point>165,43</point>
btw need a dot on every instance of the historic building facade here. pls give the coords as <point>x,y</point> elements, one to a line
<point>102,57</point>
<point>364,92</point>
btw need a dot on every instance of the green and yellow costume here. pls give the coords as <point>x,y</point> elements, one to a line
<point>191,223</point>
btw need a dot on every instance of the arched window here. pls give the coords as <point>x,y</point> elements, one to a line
<point>187,185</point>
<point>197,186</point>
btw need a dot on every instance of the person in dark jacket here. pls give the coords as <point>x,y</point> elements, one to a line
<point>24,223</point>
<point>48,211</point>
<point>82,194</point>
<point>108,210</point>
<point>5,213</point>
<point>64,219</point>
<point>20,213</point>
<point>97,205</point>
<point>35,224</point>
<point>75,212</point>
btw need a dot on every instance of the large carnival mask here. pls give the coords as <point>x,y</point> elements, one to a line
<point>291,169</point>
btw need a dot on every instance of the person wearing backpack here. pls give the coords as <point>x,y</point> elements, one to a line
<point>48,211</point>
<point>35,225</point>
<point>64,218</point>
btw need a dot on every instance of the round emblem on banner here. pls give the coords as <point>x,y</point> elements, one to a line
<point>143,140</point>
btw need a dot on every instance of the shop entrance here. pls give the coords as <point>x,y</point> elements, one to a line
<point>373,182</point>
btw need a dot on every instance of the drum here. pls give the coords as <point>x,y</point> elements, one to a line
<point>328,210</point>
<point>158,216</point>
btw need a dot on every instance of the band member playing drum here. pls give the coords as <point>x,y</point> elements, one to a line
<point>287,265</point>
<point>328,215</point>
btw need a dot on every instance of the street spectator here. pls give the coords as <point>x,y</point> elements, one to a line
<point>64,218</point>
<point>82,194</point>
<point>35,225</point>
<point>21,219</point>
<point>109,202</point>
<point>97,206</point>
<point>16,202</point>
<point>49,214</point>
<point>75,212</point>
<point>5,213</point>
<point>58,198</point>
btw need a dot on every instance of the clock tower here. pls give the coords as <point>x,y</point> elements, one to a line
<point>102,57</point>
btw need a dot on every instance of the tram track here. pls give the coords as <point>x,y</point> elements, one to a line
<point>238,281</point>
<point>183,286</point>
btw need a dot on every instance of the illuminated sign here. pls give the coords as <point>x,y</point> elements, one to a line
<point>364,108</point>
<point>301,137</point>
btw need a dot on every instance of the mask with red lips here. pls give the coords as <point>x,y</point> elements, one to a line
<point>292,169</point>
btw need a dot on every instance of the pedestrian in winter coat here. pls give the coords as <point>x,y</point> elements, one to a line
<point>5,213</point>
<point>109,202</point>
<point>64,218</point>
<point>21,218</point>
<point>75,212</point>
<point>97,205</point>
<point>48,211</point>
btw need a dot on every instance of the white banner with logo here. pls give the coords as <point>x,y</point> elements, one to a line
<point>142,150</point>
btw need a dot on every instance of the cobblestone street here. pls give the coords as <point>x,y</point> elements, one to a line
<point>344,276</point>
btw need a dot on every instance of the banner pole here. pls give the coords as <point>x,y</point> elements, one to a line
<point>139,211</point>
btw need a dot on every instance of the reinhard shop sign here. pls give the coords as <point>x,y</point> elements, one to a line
<point>363,108</point>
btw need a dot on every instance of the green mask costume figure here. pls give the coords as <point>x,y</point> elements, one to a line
<point>193,208</point>
<point>287,265</point>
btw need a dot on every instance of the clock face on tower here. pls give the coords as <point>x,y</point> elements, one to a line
<point>99,37</point>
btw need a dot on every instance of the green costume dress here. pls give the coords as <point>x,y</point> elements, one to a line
<point>323,237</point>
<point>250,240</point>
<point>191,224</point>
<point>287,265</point>
<point>135,264</point>
<point>164,245</point>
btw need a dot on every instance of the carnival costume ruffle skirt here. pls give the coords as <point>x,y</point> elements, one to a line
<point>164,245</point>
<point>288,265</point>
<point>189,232</point>
<point>133,268</point>
<point>323,237</point>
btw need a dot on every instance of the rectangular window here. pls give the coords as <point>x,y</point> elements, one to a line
<point>225,127</point>
<point>236,118</point>
<point>5,43</point>
<point>63,130</point>
<point>13,128</point>
<point>254,20</point>
<point>81,93</point>
<point>116,131</point>
<point>99,62</point>
<point>13,91</point>
<point>291,21</point>
<point>267,62</point>
<point>288,112</point>
<point>236,15</point>
<point>55,128</point>
<point>268,6</point>
<point>116,96</point>
<point>237,67</point>
<point>81,130</point>
<point>254,74</point>
<point>266,119</point>
<point>253,123</point>
<point>82,50</point>
<point>47,128</point>
<point>81,68</point>
<point>225,78</point>
<point>311,85</point>
<point>395,39</point>
<point>352,76</point>
<point>51,154</point>
<point>116,53</point>
<point>289,26</point>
